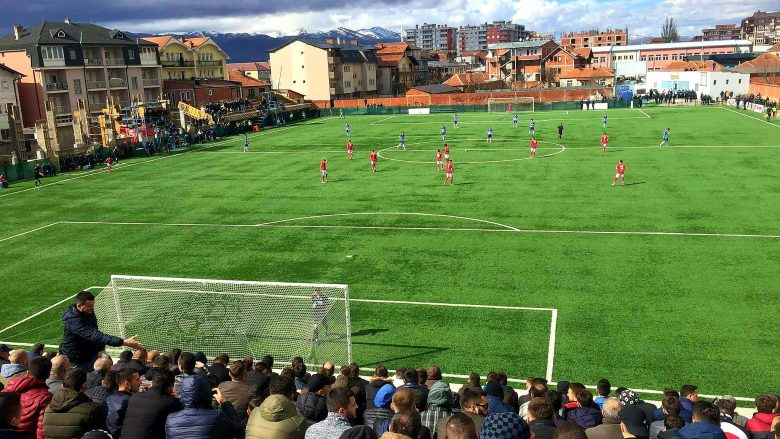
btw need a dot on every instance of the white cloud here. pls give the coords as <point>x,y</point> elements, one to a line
<point>642,17</point>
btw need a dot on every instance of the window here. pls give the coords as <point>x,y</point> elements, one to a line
<point>740,82</point>
<point>251,92</point>
<point>5,85</point>
<point>643,58</point>
<point>77,86</point>
<point>666,57</point>
<point>211,92</point>
<point>185,96</point>
<point>674,57</point>
<point>304,81</point>
<point>52,52</point>
<point>134,82</point>
<point>714,82</point>
<point>72,53</point>
<point>727,82</point>
<point>131,54</point>
<point>5,134</point>
<point>170,75</point>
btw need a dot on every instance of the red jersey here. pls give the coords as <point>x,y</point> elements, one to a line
<point>533,143</point>
<point>449,167</point>
<point>438,156</point>
<point>323,166</point>
<point>349,146</point>
<point>372,156</point>
<point>621,168</point>
<point>446,149</point>
<point>109,161</point>
<point>604,139</point>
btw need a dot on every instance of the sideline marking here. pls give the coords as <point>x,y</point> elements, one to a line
<point>749,117</point>
<point>504,226</point>
<point>29,231</point>
<point>648,116</point>
<point>37,314</point>
<point>508,121</point>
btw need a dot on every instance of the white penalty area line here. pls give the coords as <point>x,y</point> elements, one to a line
<point>642,111</point>
<point>381,120</point>
<point>37,314</point>
<point>504,228</point>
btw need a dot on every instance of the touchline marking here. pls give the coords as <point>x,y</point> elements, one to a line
<point>29,231</point>
<point>750,117</point>
<point>641,111</point>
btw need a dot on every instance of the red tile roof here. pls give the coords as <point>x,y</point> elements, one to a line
<point>467,79</point>
<point>248,66</point>
<point>389,59</point>
<point>764,60</point>
<point>775,48</point>
<point>194,42</point>
<point>159,41</point>
<point>246,81</point>
<point>587,73</point>
<point>692,66</point>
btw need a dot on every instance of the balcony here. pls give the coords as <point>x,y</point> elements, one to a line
<point>117,83</point>
<point>115,61</point>
<point>334,75</point>
<point>334,60</point>
<point>177,63</point>
<point>60,110</point>
<point>96,85</point>
<point>93,62</point>
<point>209,63</point>
<point>151,82</point>
<point>57,86</point>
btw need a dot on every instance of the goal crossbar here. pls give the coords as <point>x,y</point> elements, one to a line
<point>518,103</point>
<point>240,318</point>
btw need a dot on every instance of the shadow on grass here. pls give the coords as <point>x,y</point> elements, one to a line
<point>372,331</point>
<point>638,182</point>
<point>427,350</point>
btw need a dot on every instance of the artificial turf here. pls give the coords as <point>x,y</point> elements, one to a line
<point>645,310</point>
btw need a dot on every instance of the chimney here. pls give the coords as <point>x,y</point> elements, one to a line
<point>67,20</point>
<point>18,31</point>
<point>354,42</point>
<point>329,40</point>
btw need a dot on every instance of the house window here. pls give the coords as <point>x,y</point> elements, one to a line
<point>211,92</point>
<point>52,52</point>
<point>134,82</point>
<point>131,54</point>
<point>185,96</point>
<point>643,58</point>
<point>5,134</point>
<point>251,92</point>
<point>714,82</point>
<point>666,57</point>
<point>72,53</point>
<point>727,82</point>
<point>740,82</point>
<point>77,86</point>
<point>674,57</point>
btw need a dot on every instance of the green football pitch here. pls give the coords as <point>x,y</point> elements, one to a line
<point>670,279</point>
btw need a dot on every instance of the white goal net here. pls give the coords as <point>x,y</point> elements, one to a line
<point>239,318</point>
<point>516,104</point>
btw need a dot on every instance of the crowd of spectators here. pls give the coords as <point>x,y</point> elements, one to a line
<point>743,100</point>
<point>150,394</point>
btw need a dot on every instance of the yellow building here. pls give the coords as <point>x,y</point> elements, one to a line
<point>187,58</point>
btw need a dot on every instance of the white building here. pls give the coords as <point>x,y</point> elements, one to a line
<point>708,83</point>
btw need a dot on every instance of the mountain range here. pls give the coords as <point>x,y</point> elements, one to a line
<point>246,47</point>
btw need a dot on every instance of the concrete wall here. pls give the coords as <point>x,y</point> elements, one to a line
<point>709,83</point>
<point>301,68</point>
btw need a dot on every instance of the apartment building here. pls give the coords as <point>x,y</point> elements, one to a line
<point>325,70</point>
<point>11,136</point>
<point>432,37</point>
<point>720,32</point>
<point>191,58</point>
<point>656,56</point>
<point>64,62</point>
<point>518,61</point>
<point>762,28</point>
<point>397,67</point>
<point>477,37</point>
<point>594,38</point>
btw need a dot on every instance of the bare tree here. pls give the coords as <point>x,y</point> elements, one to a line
<point>669,31</point>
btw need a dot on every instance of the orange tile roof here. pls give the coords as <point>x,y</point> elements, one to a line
<point>584,52</point>
<point>389,59</point>
<point>587,73</point>
<point>692,66</point>
<point>764,60</point>
<point>159,41</point>
<point>246,81</point>
<point>248,66</point>
<point>194,42</point>
<point>775,48</point>
<point>399,47</point>
<point>467,79</point>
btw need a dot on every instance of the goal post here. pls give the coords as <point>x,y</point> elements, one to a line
<point>515,104</point>
<point>239,318</point>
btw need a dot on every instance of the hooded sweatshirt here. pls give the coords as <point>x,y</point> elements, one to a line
<point>702,430</point>
<point>276,418</point>
<point>71,414</point>
<point>9,371</point>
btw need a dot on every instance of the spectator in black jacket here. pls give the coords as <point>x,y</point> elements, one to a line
<point>147,411</point>
<point>81,339</point>
<point>128,383</point>
<point>102,366</point>
<point>312,404</point>
<point>10,414</point>
<point>108,386</point>
<point>218,371</point>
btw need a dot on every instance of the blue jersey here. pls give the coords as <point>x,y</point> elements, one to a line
<point>401,138</point>
<point>666,135</point>
<point>514,119</point>
<point>246,141</point>
<point>532,125</point>
<point>605,119</point>
<point>455,119</point>
<point>490,132</point>
<point>443,131</point>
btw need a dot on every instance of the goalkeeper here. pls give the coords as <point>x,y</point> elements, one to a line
<point>319,311</point>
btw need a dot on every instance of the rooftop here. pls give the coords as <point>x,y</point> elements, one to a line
<point>683,45</point>
<point>519,44</point>
<point>587,73</point>
<point>246,81</point>
<point>49,32</point>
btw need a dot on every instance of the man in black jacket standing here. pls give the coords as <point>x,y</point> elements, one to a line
<point>81,339</point>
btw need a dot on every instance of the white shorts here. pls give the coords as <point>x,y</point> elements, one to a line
<point>446,156</point>
<point>438,162</point>
<point>603,145</point>
<point>449,175</point>
<point>620,175</point>
<point>373,162</point>
<point>533,149</point>
<point>324,173</point>
<point>349,151</point>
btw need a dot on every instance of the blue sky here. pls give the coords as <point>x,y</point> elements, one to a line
<point>643,17</point>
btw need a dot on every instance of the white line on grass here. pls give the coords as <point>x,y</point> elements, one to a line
<point>37,314</point>
<point>750,117</point>
<point>379,121</point>
<point>29,231</point>
<point>551,345</point>
<point>508,121</point>
<point>506,229</point>
<point>641,111</point>
<point>504,226</point>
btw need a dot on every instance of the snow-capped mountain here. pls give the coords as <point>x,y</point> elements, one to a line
<point>247,47</point>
